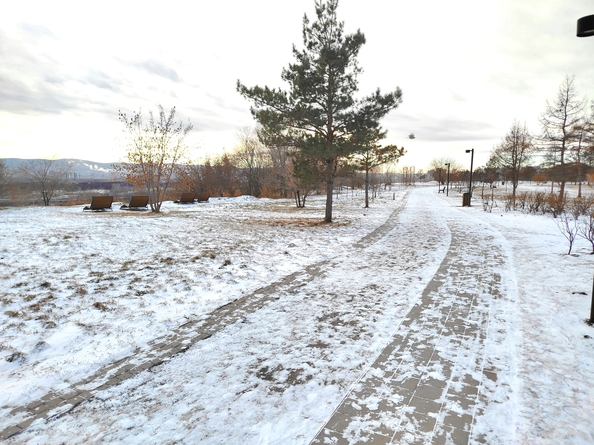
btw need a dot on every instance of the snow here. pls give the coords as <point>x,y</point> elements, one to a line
<point>277,375</point>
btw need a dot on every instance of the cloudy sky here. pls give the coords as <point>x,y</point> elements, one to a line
<point>467,68</point>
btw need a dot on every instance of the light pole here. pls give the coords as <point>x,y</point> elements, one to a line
<point>471,151</point>
<point>448,181</point>
<point>585,28</point>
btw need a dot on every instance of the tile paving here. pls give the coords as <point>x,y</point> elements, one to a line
<point>399,394</point>
<point>424,387</point>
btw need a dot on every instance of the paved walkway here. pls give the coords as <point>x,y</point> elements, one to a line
<point>425,385</point>
<point>55,404</point>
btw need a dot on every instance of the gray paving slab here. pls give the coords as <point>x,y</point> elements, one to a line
<point>445,331</point>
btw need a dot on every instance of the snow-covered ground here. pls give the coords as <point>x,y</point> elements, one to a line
<point>81,290</point>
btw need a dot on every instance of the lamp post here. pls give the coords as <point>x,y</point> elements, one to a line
<point>471,151</point>
<point>585,28</point>
<point>448,181</point>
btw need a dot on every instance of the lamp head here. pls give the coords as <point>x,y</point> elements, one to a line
<point>585,26</point>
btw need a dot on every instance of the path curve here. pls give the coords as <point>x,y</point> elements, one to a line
<point>434,379</point>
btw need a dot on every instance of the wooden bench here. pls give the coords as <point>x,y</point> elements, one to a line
<point>203,197</point>
<point>441,190</point>
<point>186,198</point>
<point>137,202</point>
<point>100,203</point>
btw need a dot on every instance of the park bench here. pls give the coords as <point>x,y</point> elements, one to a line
<point>100,203</point>
<point>441,190</point>
<point>186,198</point>
<point>203,197</point>
<point>137,202</point>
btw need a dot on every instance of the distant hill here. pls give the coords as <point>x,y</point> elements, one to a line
<point>81,169</point>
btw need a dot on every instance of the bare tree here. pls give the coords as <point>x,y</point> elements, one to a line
<point>584,143</point>
<point>438,168</point>
<point>154,151</point>
<point>5,176</point>
<point>513,153</point>
<point>251,159</point>
<point>408,175</point>
<point>559,121</point>
<point>586,229</point>
<point>569,227</point>
<point>389,175</point>
<point>46,174</point>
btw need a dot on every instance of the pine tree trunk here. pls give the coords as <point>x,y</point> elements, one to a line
<point>366,189</point>
<point>330,171</point>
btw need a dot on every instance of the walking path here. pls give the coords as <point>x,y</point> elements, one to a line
<point>426,386</point>
<point>55,404</point>
<point>443,337</point>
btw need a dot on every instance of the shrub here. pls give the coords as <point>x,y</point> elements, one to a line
<point>488,204</point>
<point>579,206</point>
<point>522,198</point>
<point>536,202</point>
<point>555,204</point>
<point>509,202</point>
<point>99,305</point>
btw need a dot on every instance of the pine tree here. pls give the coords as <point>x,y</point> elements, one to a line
<point>319,114</point>
<point>370,155</point>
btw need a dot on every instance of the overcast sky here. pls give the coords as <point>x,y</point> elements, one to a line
<point>467,68</point>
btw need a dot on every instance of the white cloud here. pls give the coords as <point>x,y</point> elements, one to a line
<point>466,68</point>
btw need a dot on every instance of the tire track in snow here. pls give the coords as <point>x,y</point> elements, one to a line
<point>58,403</point>
<point>436,376</point>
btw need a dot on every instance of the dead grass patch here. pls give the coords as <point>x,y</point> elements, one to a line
<point>100,305</point>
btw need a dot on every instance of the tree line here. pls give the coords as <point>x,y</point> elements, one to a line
<point>560,152</point>
<point>308,135</point>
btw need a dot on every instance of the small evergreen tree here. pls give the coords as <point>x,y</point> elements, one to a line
<point>319,113</point>
<point>371,155</point>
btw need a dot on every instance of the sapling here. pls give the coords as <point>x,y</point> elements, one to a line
<point>568,227</point>
<point>586,229</point>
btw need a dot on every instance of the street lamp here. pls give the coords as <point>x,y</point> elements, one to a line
<point>448,181</point>
<point>471,151</point>
<point>585,26</point>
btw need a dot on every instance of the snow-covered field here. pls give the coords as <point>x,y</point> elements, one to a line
<point>81,290</point>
